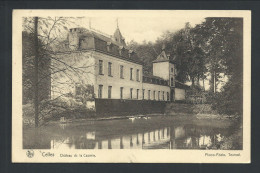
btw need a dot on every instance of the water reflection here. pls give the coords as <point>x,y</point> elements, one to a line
<point>125,134</point>
<point>134,141</point>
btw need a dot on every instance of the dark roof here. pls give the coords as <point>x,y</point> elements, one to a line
<point>163,57</point>
<point>181,85</point>
<point>154,80</point>
<point>152,76</point>
<point>92,40</point>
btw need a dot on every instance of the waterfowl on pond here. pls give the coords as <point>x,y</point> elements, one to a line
<point>64,120</point>
<point>132,118</point>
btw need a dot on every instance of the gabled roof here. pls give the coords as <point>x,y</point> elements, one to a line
<point>163,57</point>
<point>119,38</point>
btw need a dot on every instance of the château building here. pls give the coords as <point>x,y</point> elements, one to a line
<point>114,75</point>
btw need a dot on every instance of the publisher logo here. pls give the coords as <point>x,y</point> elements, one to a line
<point>30,153</point>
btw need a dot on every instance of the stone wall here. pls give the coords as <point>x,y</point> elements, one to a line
<point>121,107</point>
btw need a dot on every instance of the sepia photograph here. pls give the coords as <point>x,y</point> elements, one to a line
<point>128,85</point>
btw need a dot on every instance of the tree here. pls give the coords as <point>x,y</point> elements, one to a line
<point>222,38</point>
<point>226,42</point>
<point>189,55</point>
<point>213,47</point>
<point>42,39</point>
<point>147,52</point>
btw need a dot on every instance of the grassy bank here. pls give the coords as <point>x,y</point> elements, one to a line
<point>180,111</point>
<point>184,108</point>
<point>201,111</point>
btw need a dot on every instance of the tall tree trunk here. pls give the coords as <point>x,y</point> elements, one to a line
<point>214,82</point>
<point>192,81</point>
<point>198,81</point>
<point>203,80</point>
<point>36,60</point>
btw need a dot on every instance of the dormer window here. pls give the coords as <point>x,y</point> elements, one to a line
<point>108,46</point>
<point>120,50</point>
<point>130,52</point>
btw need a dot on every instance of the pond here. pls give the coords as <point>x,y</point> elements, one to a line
<point>156,132</point>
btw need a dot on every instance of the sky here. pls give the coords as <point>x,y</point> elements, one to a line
<point>139,26</point>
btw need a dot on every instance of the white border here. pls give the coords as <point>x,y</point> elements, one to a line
<point>120,156</point>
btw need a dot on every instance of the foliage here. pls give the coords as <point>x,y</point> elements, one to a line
<point>225,55</point>
<point>147,52</point>
<point>230,100</point>
<point>215,48</point>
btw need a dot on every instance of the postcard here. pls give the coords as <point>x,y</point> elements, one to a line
<point>131,86</point>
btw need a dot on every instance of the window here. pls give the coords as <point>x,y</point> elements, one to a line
<point>100,88</point>
<point>158,95</point>
<point>163,95</point>
<point>100,67</point>
<point>154,95</point>
<point>121,72</point>
<point>149,92</point>
<point>137,75</point>
<point>109,92</point>
<point>137,93</point>
<point>109,69</point>
<point>172,70</point>
<point>172,81</point>
<point>121,92</point>
<point>131,93</point>
<point>143,93</point>
<point>168,96</point>
<point>131,73</point>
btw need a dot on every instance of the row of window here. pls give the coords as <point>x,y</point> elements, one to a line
<point>157,94</point>
<point>121,71</point>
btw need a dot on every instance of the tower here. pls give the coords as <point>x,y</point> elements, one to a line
<point>118,37</point>
<point>164,67</point>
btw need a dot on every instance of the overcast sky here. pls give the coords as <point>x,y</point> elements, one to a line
<point>140,26</point>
